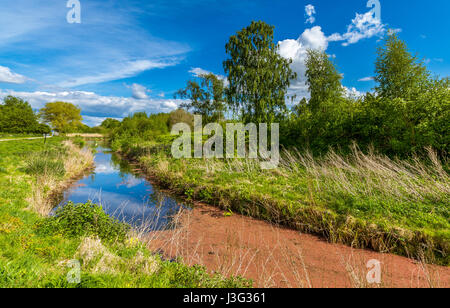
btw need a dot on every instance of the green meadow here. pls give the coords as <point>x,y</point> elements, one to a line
<point>36,250</point>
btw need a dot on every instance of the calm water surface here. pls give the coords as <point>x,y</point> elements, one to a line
<point>123,193</point>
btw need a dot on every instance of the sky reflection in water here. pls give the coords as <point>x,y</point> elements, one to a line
<point>122,194</point>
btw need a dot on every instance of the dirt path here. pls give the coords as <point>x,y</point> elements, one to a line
<point>29,138</point>
<point>279,257</point>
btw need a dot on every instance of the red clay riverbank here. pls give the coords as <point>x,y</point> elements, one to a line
<point>279,257</point>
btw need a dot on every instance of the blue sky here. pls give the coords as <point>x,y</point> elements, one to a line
<point>128,56</point>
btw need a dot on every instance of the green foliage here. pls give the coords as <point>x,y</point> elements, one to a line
<point>110,124</point>
<point>77,220</point>
<point>197,276</point>
<point>323,80</point>
<point>139,128</point>
<point>79,141</point>
<point>42,165</point>
<point>258,76</point>
<point>64,117</point>
<point>398,73</point>
<point>206,99</point>
<point>408,112</point>
<point>180,116</point>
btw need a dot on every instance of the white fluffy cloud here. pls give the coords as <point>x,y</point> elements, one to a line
<point>139,91</point>
<point>310,10</point>
<point>95,108</point>
<point>6,75</point>
<point>296,50</point>
<point>352,92</point>
<point>362,27</point>
<point>197,72</point>
<point>365,79</point>
<point>96,121</point>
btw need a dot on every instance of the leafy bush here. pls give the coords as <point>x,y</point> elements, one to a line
<point>17,116</point>
<point>79,142</point>
<point>408,111</point>
<point>77,220</point>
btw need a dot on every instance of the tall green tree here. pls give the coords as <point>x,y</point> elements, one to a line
<point>110,123</point>
<point>398,73</point>
<point>322,78</point>
<point>258,76</point>
<point>64,117</point>
<point>180,116</point>
<point>205,98</point>
<point>17,116</point>
<point>412,108</point>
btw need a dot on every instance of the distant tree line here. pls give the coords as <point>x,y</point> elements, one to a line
<point>17,117</point>
<point>408,110</point>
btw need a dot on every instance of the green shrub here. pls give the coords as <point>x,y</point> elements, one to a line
<point>39,165</point>
<point>77,220</point>
<point>79,142</point>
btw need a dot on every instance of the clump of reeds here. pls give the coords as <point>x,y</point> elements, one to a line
<point>373,175</point>
<point>51,170</point>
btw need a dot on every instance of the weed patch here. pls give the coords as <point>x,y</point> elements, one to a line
<point>78,220</point>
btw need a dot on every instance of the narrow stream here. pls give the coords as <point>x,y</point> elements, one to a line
<point>123,193</point>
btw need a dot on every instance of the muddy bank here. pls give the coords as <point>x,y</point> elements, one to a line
<point>275,256</point>
<point>279,257</point>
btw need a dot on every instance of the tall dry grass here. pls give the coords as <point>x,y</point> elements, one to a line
<point>373,175</point>
<point>47,183</point>
<point>366,200</point>
<point>358,173</point>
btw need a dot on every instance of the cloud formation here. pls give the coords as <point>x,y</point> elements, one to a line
<point>197,72</point>
<point>365,79</point>
<point>362,26</point>
<point>310,10</point>
<point>296,50</point>
<point>139,91</point>
<point>96,108</point>
<point>7,76</point>
<point>108,45</point>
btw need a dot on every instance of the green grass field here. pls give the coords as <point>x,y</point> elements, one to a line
<point>35,251</point>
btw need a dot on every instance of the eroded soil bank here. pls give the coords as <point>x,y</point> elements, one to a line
<point>279,257</point>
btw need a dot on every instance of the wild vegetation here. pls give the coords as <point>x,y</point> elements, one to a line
<point>369,171</point>
<point>17,117</point>
<point>37,249</point>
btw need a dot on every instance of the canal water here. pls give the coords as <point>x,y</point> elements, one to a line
<point>123,193</point>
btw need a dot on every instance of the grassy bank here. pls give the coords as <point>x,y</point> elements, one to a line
<point>37,250</point>
<point>363,200</point>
